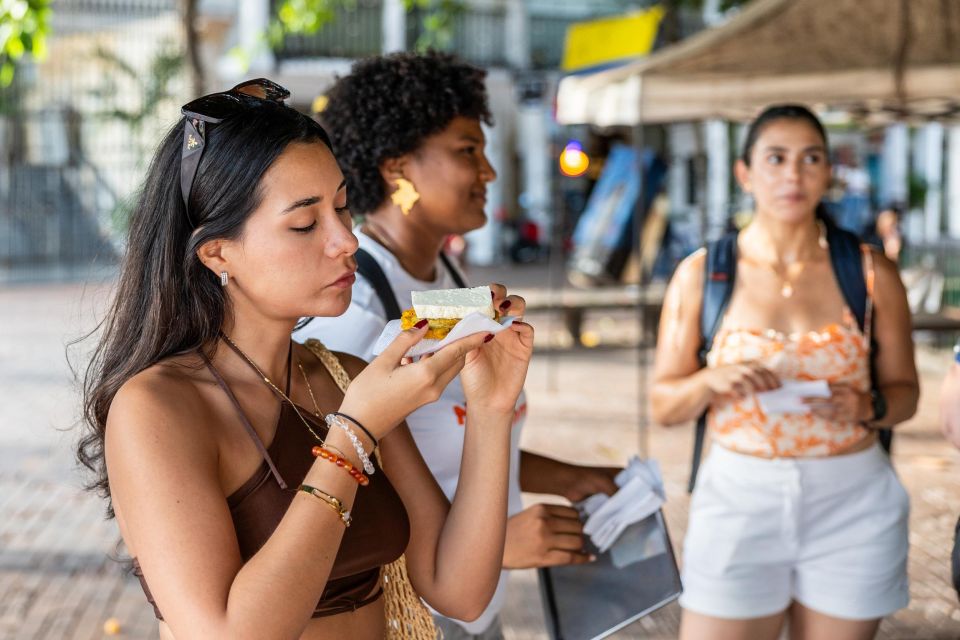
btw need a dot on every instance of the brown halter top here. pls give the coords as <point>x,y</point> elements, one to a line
<point>378,535</point>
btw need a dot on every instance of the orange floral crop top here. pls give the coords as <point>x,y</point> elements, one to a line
<point>837,353</point>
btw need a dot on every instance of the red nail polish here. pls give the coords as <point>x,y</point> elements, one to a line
<point>505,305</point>
<point>488,338</point>
<point>421,324</point>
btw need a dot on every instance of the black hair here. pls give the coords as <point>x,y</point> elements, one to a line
<point>388,105</point>
<point>779,112</point>
<point>166,301</point>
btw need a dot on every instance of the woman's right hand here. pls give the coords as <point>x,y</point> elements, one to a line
<point>544,535</point>
<point>737,381</point>
<point>387,390</point>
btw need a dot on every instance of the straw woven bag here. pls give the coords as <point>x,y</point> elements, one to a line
<point>407,617</point>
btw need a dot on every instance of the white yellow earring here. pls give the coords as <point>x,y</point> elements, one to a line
<point>405,196</point>
<point>224,278</point>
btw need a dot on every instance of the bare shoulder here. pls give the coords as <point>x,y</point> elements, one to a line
<point>162,403</point>
<point>687,280</point>
<point>692,267</point>
<point>886,274</point>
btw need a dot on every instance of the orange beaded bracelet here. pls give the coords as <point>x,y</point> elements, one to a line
<point>326,454</point>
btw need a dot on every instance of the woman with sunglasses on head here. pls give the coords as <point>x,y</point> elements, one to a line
<point>795,514</point>
<point>407,132</point>
<point>258,493</point>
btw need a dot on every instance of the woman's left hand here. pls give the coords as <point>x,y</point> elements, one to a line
<point>494,374</point>
<point>587,481</point>
<point>845,404</point>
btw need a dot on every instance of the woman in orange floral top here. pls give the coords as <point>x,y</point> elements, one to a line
<point>796,515</point>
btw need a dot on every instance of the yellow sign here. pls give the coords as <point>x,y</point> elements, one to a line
<point>600,42</point>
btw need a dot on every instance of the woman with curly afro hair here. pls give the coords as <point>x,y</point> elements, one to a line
<point>407,130</point>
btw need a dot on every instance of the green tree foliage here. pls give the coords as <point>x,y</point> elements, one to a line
<point>304,17</point>
<point>24,26</point>
<point>153,88</point>
<point>308,17</point>
<point>439,17</point>
<point>152,84</point>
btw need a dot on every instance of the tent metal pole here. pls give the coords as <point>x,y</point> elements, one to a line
<point>643,445</point>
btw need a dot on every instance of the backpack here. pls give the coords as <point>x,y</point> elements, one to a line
<point>370,269</point>
<point>719,277</point>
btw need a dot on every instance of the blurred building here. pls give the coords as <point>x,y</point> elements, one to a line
<point>75,131</point>
<point>519,42</point>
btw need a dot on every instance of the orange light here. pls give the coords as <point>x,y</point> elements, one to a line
<point>573,161</point>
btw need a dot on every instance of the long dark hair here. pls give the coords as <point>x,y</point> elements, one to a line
<point>777,112</point>
<point>167,302</point>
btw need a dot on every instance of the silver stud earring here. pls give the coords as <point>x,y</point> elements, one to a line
<point>224,278</point>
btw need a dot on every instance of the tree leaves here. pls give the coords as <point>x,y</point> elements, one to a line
<point>24,27</point>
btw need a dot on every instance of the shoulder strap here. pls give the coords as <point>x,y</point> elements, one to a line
<point>337,372</point>
<point>454,272</point>
<point>718,280</point>
<point>331,362</point>
<point>246,423</point>
<point>370,269</point>
<point>719,276</point>
<point>847,261</point>
<point>846,258</point>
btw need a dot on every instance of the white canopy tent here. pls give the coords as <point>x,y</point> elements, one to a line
<point>889,58</point>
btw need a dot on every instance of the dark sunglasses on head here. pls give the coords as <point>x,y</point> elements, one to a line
<point>215,108</point>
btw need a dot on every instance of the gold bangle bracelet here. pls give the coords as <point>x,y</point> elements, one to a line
<point>334,503</point>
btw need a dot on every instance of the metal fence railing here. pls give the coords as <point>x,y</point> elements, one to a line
<point>935,266</point>
<point>76,130</point>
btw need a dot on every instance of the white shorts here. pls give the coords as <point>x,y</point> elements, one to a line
<point>829,533</point>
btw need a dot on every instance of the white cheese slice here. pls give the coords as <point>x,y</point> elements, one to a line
<point>452,303</point>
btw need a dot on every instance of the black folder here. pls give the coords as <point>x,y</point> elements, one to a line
<point>633,578</point>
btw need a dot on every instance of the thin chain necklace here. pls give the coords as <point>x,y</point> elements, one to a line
<point>316,407</point>
<point>786,277</point>
<point>276,389</point>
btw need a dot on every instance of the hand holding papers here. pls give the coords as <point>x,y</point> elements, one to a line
<point>789,397</point>
<point>641,494</point>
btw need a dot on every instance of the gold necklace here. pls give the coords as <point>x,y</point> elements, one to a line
<point>784,274</point>
<point>786,279</point>
<point>276,389</point>
<point>786,287</point>
<point>316,407</point>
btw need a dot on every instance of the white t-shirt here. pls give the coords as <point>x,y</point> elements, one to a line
<point>437,428</point>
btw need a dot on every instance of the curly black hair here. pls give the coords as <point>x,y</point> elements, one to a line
<point>388,105</point>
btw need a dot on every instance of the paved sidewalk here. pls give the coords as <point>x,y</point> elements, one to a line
<point>60,576</point>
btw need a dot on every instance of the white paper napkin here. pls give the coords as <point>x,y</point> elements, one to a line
<point>473,323</point>
<point>789,397</point>
<point>641,494</point>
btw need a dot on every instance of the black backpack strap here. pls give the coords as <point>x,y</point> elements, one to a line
<point>846,258</point>
<point>370,269</point>
<point>719,275</point>
<point>847,261</point>
<point>454,273</point>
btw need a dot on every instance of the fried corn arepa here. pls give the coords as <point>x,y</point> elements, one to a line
<point>444,308</point>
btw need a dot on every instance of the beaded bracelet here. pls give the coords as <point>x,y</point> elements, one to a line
<point>326,454</point>
<point>334,420</point>
<point>335,503</point>
<point>359,426</point>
